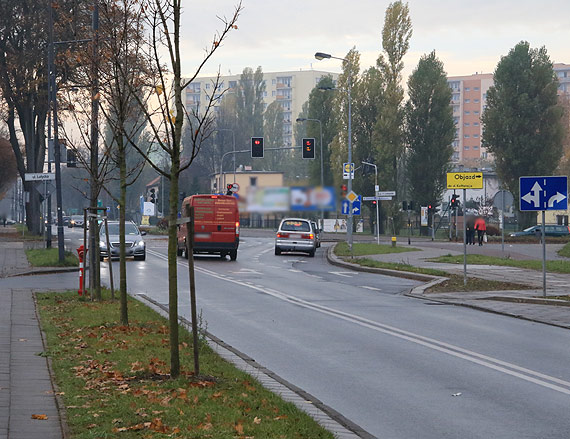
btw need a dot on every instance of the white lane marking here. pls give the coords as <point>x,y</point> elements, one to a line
<point>505,367</point>
<point>342,273</point>
<point>370,288</point>
<point>294,271</point>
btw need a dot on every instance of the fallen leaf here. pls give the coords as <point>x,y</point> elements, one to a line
<point>239,427</point>
<point>40,417</point>
<point>257,420</point>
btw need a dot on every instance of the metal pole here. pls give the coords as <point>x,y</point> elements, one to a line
<point>503,221</point>
<point>322,172</point>
<point>464,244</point>
<point>349,225</point>
<point>543,257</point>
<point>60,243</point>
<point>449,215</point>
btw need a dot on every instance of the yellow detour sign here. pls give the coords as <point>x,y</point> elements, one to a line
<point>464,180</point>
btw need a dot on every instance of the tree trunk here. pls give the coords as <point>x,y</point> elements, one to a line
<point>122,217</point>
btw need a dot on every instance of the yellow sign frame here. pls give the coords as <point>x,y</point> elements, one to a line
<point>464,180</point>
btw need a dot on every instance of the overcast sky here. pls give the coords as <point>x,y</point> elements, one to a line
<point>283,35</point>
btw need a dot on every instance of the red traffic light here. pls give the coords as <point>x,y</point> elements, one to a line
<point>343,187</point>
<point>257,147</point>
<point>308,148</point>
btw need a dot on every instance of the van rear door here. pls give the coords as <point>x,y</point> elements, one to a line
<point>216,218</point>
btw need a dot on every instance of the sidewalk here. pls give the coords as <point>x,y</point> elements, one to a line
<point>25,382</point>
<point>525,304</point>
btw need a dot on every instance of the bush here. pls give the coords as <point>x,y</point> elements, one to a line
<point>162,224</point>
<point>493,230</point>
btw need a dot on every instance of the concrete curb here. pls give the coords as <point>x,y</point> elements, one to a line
<point>335,260</point>
<point>46,270</point>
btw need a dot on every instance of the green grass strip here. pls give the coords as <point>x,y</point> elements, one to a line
<point>565,251</point>
<point>365,248</point>
<point>49,257</point>
<point>114,380</point>
<point>553,266</point>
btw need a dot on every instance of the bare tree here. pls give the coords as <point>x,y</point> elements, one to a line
<point>161,103</point>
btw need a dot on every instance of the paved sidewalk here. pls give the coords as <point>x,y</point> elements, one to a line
<point>25,382</point>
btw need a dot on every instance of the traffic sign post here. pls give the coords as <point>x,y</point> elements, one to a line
<point>348,171</point>
<point>542,194</point>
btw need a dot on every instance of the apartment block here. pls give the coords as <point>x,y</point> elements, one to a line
<point>290,89</point>
<point>468,100</point>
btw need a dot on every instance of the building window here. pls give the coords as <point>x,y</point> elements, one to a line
<point>467,89</point>
<point>476,112</point>
<point>466,148</point>
<point>207,86</point>
<point>466,124</point>
<point>466,136</point>
<point>253,181</point>
<point>467,101</point>
<point>475,124</point>
<point>273,81</point>
<point>475,147</point>
<point>455,156</point>
<point>467,112</point>
<point>476,135</point>
<point>476,88</point>
<point>273,93</point>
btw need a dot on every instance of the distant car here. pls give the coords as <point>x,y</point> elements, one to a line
<point>66,220</point>
<point>295,235</point>
<point>134,243</point>
<point>317,233</point>
<point>549,230</point>
<point>76,221</point>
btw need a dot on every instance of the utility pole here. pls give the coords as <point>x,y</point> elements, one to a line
<point>94,278</point>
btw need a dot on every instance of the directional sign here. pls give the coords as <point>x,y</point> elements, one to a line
<point>345,206</point>
<point>376,198</point>
<point>39,177</point>
<point>464,180</point>
<point>543,193</point>
<point>385,193</point>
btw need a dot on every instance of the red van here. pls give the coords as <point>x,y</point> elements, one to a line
<point>216,228</point>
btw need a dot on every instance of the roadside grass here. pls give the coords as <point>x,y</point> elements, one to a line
<point>366,248</point>
<point>567,298</point>
<point>455,284</point>
<point>553,266</point>
<point>153,230</point>
<point>23,233</point>
<point>49,257</point>
<point>565,251</point>
<point>366,262</point>
<point>114,379</point>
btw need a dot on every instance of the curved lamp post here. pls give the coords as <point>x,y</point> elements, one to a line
<point>321,56</point>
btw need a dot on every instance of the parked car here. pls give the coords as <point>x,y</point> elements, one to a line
<point>134,243</point>
<point>75,221</point>
<point>317,233</point>
<point>549,230</point>
<point>295,235</point>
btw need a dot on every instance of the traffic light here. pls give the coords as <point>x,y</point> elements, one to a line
<point>181,196</point>
<point>71,159</point>
<point>411,205</point>
<point>430,209</point>
<point>152,197</point>
<point>404,205</point>
<point>308,148</point>
<point>343,190</point>
<point>454,201</point>
<point>257,147</point>
<point>229,188</point>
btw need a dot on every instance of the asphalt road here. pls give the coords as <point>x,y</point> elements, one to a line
<point>399,367</point>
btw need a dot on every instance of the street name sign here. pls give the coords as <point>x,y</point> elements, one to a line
<point>543,193</point>
<point>385,193</point>
<point>39,176</point>
<point>464,180</point>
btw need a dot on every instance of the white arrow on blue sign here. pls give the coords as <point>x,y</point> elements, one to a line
<point>543,193</point>
<point>345,206</point>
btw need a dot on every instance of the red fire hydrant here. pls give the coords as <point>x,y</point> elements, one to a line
<point>81,252</point>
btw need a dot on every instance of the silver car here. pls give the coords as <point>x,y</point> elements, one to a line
<point>134,243</point>
<point>295,235</point>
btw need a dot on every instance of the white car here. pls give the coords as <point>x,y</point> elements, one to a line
<point>296,235</point>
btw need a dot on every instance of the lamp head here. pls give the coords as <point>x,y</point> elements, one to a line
<point>301,119</point>
<point>321,55</point>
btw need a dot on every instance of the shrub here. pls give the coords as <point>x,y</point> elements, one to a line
<point>493,230</point>
<point>162,224</point>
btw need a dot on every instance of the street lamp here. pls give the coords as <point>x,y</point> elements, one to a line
<point>303,119</point>
<point>321,56</point>
<point>377,211</point>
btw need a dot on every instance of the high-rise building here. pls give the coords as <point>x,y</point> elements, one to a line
<point>469,100</point>
<point>290,89</point>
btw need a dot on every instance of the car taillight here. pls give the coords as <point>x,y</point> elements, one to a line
<point>283,235</point>
<point>308,236</point>
<point>237,227</point>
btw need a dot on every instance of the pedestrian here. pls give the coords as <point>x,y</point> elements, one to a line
<point>470,230</point>
<point>481,228</point>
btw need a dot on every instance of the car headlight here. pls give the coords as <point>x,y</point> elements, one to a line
<point>139,244</point>
<point>102,244</point>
